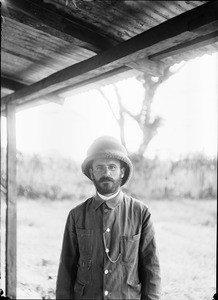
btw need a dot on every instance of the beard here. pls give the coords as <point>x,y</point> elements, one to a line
<point>107,185</point>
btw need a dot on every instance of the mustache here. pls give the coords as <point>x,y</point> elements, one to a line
<point>106,179</point>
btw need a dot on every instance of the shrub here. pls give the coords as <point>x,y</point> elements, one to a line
<point>58,178</point>
<point>193,177</point>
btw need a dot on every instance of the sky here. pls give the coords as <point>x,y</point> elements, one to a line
<point>187,102</point>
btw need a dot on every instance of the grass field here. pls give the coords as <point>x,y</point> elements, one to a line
<point>186,237</point>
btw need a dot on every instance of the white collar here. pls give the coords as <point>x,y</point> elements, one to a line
<point>103,197</point>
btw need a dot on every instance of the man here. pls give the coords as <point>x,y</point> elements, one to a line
<point>109,249</point>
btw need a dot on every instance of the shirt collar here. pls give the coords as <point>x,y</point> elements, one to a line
<point>111,203</point>
<point>106,198</point>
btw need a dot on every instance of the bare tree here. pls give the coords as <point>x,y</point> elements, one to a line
<point>120,118</point>
<point>144,119</point>
<point>147,125</point>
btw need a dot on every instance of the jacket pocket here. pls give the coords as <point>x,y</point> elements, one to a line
<point>79,288</point>
<point>85,242</point>
<point>134,290</point>
<point>129,248</point>
<point>84,272</point>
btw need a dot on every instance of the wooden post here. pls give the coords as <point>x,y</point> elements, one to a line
<point>11,209</point>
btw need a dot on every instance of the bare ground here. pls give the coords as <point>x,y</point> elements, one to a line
<point>186,237</point>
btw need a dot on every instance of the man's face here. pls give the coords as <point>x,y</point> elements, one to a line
<point>107,175</point>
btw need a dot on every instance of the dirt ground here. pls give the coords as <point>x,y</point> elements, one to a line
<point>186,238</point>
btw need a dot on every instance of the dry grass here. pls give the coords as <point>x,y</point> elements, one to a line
<point>186,237</point>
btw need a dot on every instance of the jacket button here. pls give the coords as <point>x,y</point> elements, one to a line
<point>106,250</point>
<point>106,272</point>
<point>108,230</point>
<point>106,293</point>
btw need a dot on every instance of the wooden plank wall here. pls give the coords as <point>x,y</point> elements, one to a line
<point>11,209</point>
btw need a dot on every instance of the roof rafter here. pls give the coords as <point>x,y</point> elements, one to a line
<point>164,36</point>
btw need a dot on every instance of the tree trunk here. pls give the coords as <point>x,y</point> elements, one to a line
<point>146,124</point>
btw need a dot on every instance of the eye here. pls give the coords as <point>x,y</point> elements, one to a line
<point>99,168</point>
<point>112,167</point>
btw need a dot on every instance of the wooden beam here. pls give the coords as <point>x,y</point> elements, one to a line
<point>31,104</point>
<point>11,210</point>
<point>100,81</point>
<point>148,66</point>
<point>54,23</point>
<point>11,84</point>
<point>104,79</point>
<point>166,35</point>
<point>16,85</point>
<point>187,46</point>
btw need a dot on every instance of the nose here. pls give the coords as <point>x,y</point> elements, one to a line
<point>106,171</point>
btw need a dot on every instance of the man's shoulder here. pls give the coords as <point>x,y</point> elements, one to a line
<point>81,206</point>
<point>135,202</point>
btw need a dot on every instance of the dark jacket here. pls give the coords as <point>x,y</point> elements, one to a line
<point>109,252</point>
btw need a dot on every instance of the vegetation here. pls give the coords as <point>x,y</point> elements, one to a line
<point>59,178</point>
<point>191,177</point>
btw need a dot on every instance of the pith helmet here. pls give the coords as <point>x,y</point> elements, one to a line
<point>107,147</point>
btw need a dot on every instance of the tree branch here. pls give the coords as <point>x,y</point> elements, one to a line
<point>121,111</point>
<point>108,102</point>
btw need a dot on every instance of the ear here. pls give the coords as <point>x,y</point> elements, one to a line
<point>122,172</point>
<point>91,173</point>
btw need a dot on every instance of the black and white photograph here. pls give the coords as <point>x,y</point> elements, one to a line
<point>108,150</point>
